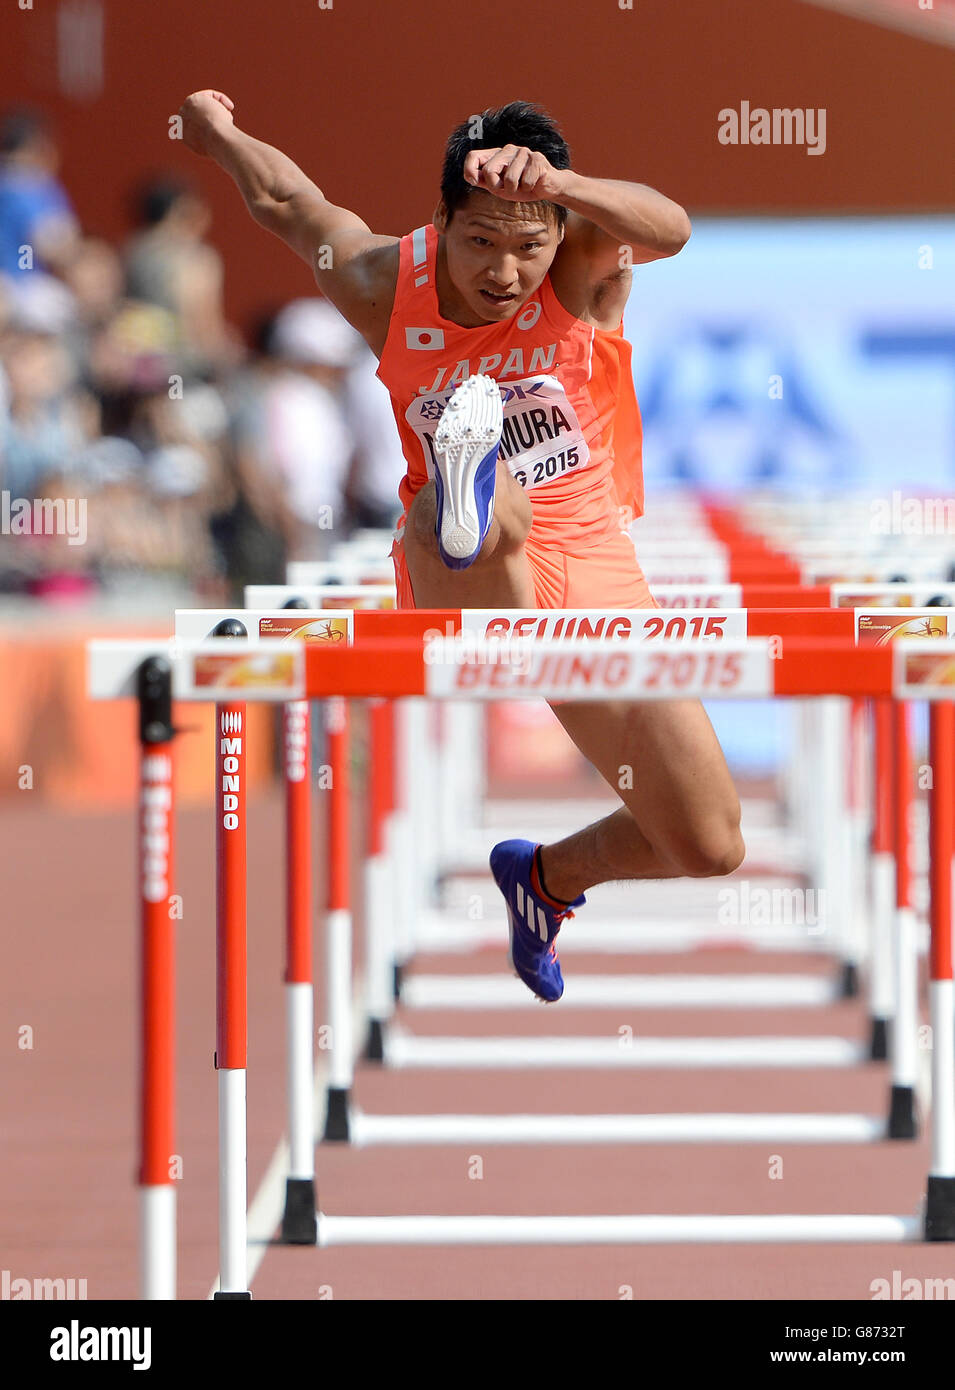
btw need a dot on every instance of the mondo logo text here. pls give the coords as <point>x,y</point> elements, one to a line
<point>230,753</point>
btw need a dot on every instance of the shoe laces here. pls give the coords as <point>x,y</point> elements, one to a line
<point>559,917</point>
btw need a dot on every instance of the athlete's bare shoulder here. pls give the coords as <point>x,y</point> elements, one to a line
<point>360,277</point>
<point>588,284</point>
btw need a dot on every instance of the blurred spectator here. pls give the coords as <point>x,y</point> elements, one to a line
<point>168,263</point>
<point>378,465</point>
<point>40,427</point>
<point>293,443</point>
<point>35,211</point>
<point>94,277</point>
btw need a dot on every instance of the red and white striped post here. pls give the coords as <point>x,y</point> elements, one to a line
<point>231,1056</point>
<point>379,887</point>
<point>157,983</point>
<point>857,831</point>
<point>299,1225</point>
<point>940,1198</point>
<point>339,921</point>
<point>881,882</point>
<point>904,1041</point>
<point>415,860</point>
<point>401,842</point>
<point>835,848</point>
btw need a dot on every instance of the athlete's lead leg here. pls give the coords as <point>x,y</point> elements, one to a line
<point>681,812</point>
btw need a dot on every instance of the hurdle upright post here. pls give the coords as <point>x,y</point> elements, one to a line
<point>339,922</point>
<point>231,1056</point>
<point>940,1197</point>
<point>299,1225</point>
<point>402,840</point>
<point>379,892</point>
<point>904,1057</point>
<point>882,882</point>
<point>836,881</point>
<point>157,982</point>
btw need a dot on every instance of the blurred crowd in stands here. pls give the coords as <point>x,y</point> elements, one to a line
<point>204,461</point>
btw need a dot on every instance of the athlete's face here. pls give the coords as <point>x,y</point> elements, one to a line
<point>498,253</point>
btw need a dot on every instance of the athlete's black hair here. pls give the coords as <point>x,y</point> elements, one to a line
<point>517,123</point>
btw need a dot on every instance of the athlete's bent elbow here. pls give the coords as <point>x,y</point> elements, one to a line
<point>680,235</point>
<point>268,213</point>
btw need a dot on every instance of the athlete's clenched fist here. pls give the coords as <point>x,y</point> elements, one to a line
<point>204,115</point>
<point>514,172</point>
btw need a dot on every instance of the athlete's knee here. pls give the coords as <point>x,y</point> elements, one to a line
<point>714,850</point>
<point>422,518</point>
<point>512,510</point>
<point>509,529</point>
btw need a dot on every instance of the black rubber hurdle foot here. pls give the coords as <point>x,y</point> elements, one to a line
<point>940,1209</point>
<point>336,1116</point>
<point>299,1226</point>
<point>879,1040</point>
<point>399,977</point>
<point>217,1296</point>
<point>375,1046</point>
<point>849,980</point>
<point>902,1121</point>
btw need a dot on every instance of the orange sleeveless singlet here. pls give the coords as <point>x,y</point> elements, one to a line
<point>572,431</point>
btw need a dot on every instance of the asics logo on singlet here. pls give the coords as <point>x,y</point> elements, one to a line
<point>528,316</point>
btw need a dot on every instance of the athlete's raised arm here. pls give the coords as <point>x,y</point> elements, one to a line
<point>611,225</point>
<point>354,267</point>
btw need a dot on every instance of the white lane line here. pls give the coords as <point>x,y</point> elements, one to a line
<point>613,1230</point>
<point>502,991</point>
<point>532,1053</point>
<point>617,1129</point>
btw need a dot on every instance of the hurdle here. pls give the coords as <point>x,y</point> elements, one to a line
<point>492,1230</point>
<point>401,1050</point>
<point>289,621</point>
<point>399,667</point>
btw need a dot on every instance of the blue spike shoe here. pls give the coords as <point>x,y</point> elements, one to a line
<point>534,919</point>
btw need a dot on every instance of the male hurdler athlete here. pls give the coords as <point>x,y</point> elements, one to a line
<point>500,337</point>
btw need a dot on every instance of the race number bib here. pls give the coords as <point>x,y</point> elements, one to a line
<point>542,438</point>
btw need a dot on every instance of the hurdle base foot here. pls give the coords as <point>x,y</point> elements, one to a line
<point>849,980</point>
<point>375,1046</point>
<point>940,1209</point>
<point>879,1040</point>
<point>299,1226</point>
<point>336,1117</point>
<point>220,1295</point>
<point>902,1120</point>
